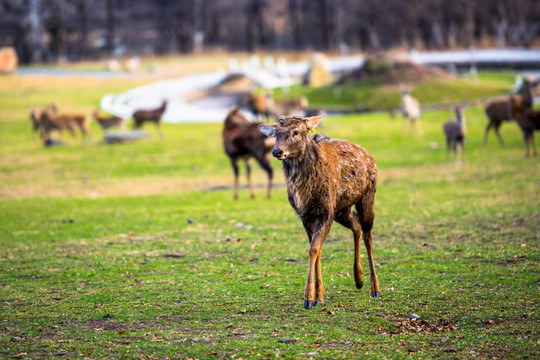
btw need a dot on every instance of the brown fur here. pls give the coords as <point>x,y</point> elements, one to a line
<point>261,105</point>
<point>499,110</point>
<point>528,121</point>
<point>108,122</point>
<point>49,120</point>
<point>325,179</point>
<point>294,107</point>
<point>243,140</point>
<point>153,115</point>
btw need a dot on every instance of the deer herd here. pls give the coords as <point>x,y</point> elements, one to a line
<point>325,177</point>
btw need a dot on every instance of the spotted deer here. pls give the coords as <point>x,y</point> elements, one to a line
<point>325,178</point>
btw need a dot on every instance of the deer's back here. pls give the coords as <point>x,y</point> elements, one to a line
<point>245,139</point>
<point>498,110</point>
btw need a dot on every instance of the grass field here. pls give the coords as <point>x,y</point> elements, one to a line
<point>138,250</point>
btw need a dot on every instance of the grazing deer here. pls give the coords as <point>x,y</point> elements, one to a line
<point>454,131</point>
<point>499,110</point>
<point>261,105</point>
<point>325,179</point>
<point>410,109</point>
<point>243,140</point>
<point>108,122</point>
<point>527,119</point>
<point>153,115</point>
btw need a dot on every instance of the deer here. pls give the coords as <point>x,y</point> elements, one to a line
<point>325,178</point>
<point>36,113</point>
<point>498,110</point>
<point>455,131</point>
<point>410,109</point>
<point>108,122</point>
<point>528,121</point>
<point>243,140</point>
<point>291,107</point>
<point>50,120</point>
<point>150,115</point>
<point>261,105</point>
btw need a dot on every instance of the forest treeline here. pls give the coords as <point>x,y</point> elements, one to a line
<point>47,30</point>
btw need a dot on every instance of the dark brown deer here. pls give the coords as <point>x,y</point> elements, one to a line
<point>528,121</point>
<point>455,131</point>
<point>152,115</point>
<point>499,110</point>
<point>108,122</point>
<point>243,140</point>
<point>325,179</point>
<point>261,105</point>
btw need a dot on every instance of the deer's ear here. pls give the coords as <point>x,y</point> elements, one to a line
<point>312,122</point>
<point>268,130</point>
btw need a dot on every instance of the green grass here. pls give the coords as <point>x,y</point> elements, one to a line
<point>135,250</point>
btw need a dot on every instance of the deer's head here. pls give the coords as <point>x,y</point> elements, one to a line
<point>292,135</point>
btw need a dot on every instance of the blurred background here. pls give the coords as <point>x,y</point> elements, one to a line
<point>73,30</point>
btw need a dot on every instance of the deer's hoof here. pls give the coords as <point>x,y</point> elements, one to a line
<point>309,304</point>
<point>359,284</point>
<point>375,294</point>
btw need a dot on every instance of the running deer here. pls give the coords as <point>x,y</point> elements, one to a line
<point>152,115</point>
<point>108,122</point>
<point>527,119</point>
<point>243,140</point>
<point>455,131</point>
<point>410,109</point>
<point>499,110</point>
<point>325,178</point>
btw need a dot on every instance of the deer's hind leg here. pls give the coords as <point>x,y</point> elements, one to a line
<point>366,216</point>
<point>349,219</point>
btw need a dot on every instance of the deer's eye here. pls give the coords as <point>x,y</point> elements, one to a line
<point>295,132</point>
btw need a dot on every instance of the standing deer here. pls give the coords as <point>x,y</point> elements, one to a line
<point>242,140</point>
<point>410,109</point>
<point>325,179</point>
<point>454,131</point>
<point>528,121</point>
<point>499,110</point>
<point>50,120</point>
<point>261,105</point>
<point>152,115</point>
<point>294,107</point>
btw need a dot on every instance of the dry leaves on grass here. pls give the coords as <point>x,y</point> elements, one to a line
<point>416,326</point>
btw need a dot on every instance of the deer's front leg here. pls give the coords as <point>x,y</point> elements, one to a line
<point>314,291</point>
